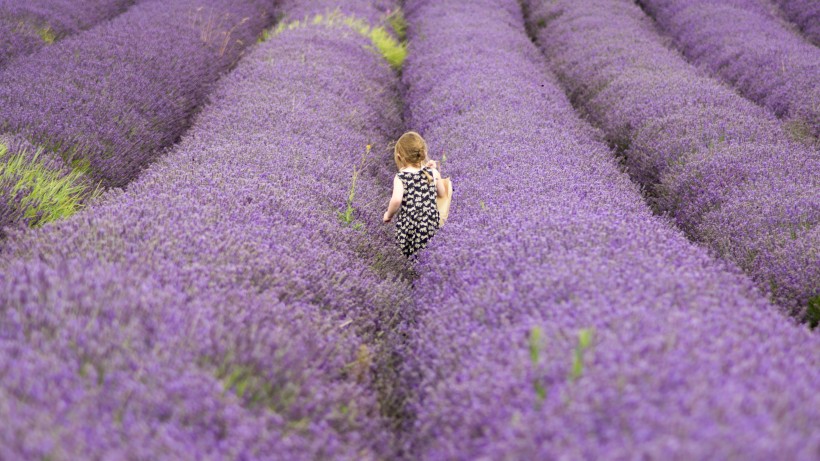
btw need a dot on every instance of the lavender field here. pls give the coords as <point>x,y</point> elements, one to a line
<point>193,263</point>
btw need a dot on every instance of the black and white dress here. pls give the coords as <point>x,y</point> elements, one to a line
<point>418,218</point>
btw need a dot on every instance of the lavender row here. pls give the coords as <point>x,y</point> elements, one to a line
<point>718,164</point>
<point>111,98</point>
<point>373,12</point>
<point>752,50</point>
<point>804,13</point>
<point>28,26</point>
<point>557,317</point>
<point>219,308</point>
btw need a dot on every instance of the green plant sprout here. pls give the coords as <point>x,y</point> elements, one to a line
<point>398,23</point>
<point>584,342</point>
<point>535,350</point>
<point>347,215</point>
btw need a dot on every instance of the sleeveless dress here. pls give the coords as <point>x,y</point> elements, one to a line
<point>418,217</point>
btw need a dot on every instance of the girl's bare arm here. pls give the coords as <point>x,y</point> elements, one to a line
<point>440,190</point>
<point>395,200</point>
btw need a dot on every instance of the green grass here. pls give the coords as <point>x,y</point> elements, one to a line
<point>535,351</point>
<point>393,50</point>
<point>399,24</point>
<point>49,194</point>
<point>47,34</point>
<point>250,385</point>
<point>584,343</point>
<point>813,312</point>
<point>800,131</point>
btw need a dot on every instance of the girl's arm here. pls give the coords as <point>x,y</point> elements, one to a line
<point>395,200</point>
<point>440,189</point>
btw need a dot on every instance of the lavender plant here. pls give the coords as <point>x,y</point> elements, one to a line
<point>36,187</point>
<point>557,317</point>
<point>118,94</point>
<point>752,50</point>
<point>372,12</point>
<point>388,45</point>
<point>715,162</point>
<point>805,14</point>
<point>26,26</point>
<point>217,308</point>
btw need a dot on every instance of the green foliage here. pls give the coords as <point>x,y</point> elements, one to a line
<point>254,388</point>
<point>47,34</point>
<point>392,50</point>
<point>800,130</point>
<point>813,312</point>
<point>584,343</point>
<point>399,24</point>
<point>535,344</point>
<point>347,216</point>
<point>49,194</point>
<point>535,351</point>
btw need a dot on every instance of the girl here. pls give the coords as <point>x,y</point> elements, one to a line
<point>415,189</point>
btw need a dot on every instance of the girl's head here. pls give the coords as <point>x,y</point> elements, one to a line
<point>410,150</point>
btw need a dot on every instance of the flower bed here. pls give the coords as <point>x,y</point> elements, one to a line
<point>804,13</point>
<point>557,317</point>
<point>221,307</point>
<point>702,152</point>
<point>26,26</point>
<point>750,49</point>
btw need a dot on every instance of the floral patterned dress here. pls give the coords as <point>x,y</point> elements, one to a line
<point>418,218</point>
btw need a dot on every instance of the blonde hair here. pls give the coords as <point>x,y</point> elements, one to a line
<point>411,150</point>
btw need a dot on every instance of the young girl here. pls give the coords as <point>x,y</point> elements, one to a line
<point>415,189</point>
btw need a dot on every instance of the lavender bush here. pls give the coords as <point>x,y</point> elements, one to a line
<point>114,96</point>
<point>26,26</point>
<point>35,186</point>
<point>705,155</point>
<point>373,12</point>
<point>557,317</point>
<point>750,49</point>
<point>220,308</point>
<point>804,13</point>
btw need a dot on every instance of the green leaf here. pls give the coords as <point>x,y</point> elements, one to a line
<point>813,312</point>
<point>535,344</point>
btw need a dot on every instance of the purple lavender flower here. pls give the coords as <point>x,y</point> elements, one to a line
<point>114,96</point>
<point>26,26</point>
<point>556,316</point>
<point>804,13</point>
<point>750,49</point>
<point>692,143</point>
<point>218,308</point>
